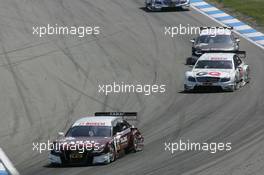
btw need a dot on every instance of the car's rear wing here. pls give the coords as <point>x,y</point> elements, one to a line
<point>240,53</point>
<point>129,116</point>
<point>217,27</point>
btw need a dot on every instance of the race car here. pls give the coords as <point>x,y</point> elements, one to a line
<point>225,70</point>
<point>99,139</point>
<point>158,5</point>
<point>213,38</point>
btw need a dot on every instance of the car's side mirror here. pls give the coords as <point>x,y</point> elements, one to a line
<point>237,40</point>
<point>61,134</point>
<point>192,40</point>
<point>191,66</point>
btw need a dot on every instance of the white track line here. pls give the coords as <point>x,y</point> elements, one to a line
<point>209,9</point>
<point>243,27</point>
<point>254,34</point>
<point>230,21</point>
<point>7,163</point>
<point>2,168</point>
<point>260,41</point>
<point>220,15</point>
<point>199,3</point>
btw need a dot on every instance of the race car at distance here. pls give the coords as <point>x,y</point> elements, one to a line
<point>224,70</point>
<point>213,38</point>
<point>99,139</point>
<point>158,5</point>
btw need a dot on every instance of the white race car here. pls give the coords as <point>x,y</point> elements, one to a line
<point>218,69</point>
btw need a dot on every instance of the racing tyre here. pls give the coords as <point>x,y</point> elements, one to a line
<point>234,87</point>
<point>151,8</point>
<point>184,8</point>
<point>137,145</point>
<point>247,77</point>
<point>190,61</point>
<point>187,90</point>
<point>112,154</point>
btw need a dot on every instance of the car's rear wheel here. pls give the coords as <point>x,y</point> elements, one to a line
<point>137,145</point>
<point>234,87</point>
<point>247,77</point>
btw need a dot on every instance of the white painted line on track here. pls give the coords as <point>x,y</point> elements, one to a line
<point>209,9</point>
<point>260,42</point>
<point>7,163</point>
<point>254,34</point>
<point>199,3</point>
<point>2,169</point>
<point>230,21</point>
<point>243,27</point>
<point>220,15</point>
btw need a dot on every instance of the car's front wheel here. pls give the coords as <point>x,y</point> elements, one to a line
<point>185,8</point>
<point>152,8</point>
<point>235,86</point>
<point>112,154</point>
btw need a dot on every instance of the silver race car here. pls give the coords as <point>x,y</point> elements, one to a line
<point>158,5</point>
<point>213,38</point>
<point>224,70</point>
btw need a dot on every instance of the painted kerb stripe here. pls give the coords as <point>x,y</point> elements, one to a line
<point>225,19</point>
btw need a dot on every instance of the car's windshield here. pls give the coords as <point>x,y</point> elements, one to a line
<point>89,131</point>
<point>218,39</point>
<point>214,64</point>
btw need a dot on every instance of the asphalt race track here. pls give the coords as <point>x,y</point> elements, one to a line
<point>47,83</point>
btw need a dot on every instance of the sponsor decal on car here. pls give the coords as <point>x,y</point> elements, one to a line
<point>218,58</point>
<point>92,124</point>
<point>216,74</point>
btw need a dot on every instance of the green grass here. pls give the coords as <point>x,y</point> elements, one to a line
<point>250,8</point>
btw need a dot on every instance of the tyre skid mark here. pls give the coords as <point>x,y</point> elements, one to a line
<point>18,84</point>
